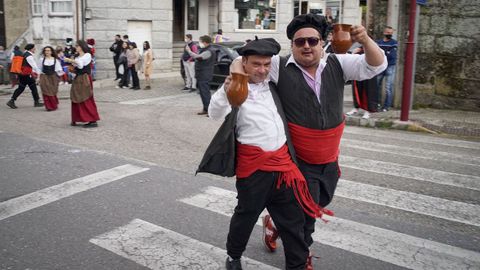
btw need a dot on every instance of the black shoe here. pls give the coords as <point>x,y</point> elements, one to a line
<point>11,104</point>
<point>233,264</point>
<point>73,124</point>
<point>90,125</point>
<point>117,79</point>
<point>136,88</point>
<point>193,89</point>
<point>186,88</point>
<point>38,104</point>
<point>132,87</point>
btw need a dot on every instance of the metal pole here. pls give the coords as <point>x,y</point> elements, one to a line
<point>409,57</point>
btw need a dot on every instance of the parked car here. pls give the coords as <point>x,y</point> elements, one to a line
<point>225,53</point>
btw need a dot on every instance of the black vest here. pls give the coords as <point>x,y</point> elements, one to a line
<point>185,55</point>
<point>25,62</point>
<point>299,101</point>
<point>204,68</point>
<point>49,70</point>
<point>86,69</point>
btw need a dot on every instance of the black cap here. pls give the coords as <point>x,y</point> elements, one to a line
<point>262,46</point>
<point>307,21</point>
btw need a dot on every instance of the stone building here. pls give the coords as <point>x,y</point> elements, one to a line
<point>447,62</point>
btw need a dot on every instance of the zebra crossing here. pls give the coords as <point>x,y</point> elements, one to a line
<point>158,246</point>
<point>384,244</point>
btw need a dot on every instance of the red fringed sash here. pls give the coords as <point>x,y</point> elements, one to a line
<point>253,158</point>
<point>316,146</point>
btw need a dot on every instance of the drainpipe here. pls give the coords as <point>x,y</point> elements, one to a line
<point>409,62</point>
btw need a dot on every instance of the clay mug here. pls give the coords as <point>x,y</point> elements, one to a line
<point>341,40</point>
<point>237,92</point>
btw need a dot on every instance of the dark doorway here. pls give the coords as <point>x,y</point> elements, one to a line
<point>178,20</point>
<point>3,39</point>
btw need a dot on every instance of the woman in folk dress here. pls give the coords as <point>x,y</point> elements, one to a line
<point>51,69</point>
<point>84,108</point>
<point>147,63</point>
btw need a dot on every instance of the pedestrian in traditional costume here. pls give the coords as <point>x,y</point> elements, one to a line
<point>51,69</point>
<point>29,73</point>
<point>84,108</point>
<point>267,176</point>
<point>147,64</point>
<point>310,85</point>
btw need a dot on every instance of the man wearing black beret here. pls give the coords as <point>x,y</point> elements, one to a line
<point>310,85</point>
<point>266,170</point>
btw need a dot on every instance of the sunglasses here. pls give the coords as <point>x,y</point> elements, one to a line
<point>312,41</point>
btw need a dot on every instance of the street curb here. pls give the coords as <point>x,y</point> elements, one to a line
<point>386,123</point>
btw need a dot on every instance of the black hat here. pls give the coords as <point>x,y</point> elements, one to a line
<point>29,46</point>
<point>307,21</point>
<point>263,46</point>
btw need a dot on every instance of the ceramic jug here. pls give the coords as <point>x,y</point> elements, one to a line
<point>237,93</point>
<point>341,40</point>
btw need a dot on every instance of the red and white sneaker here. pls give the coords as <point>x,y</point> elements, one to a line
<point>270,234</point>
<point>309,265</point>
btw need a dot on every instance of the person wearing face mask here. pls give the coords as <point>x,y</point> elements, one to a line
<point>189,65</point>
<point>204,62</point>
<point>310,85</point>
<point>390,46</point>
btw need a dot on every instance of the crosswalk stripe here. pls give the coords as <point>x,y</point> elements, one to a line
<point>412,172</point>
<point>411,137</point>
<point>152,100</point>
<point>48,195</point>
<point>411,152</point>
<point>159,248</point>
<point>382,244</point>
<point>412,202</point>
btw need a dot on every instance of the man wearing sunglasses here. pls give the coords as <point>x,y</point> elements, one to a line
<point>310,85</point>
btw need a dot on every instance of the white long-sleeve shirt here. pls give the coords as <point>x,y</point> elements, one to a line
<point>82,61</point>
<point>258,121</point>
<point>50,62</point>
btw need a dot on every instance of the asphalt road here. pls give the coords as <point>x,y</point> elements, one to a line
<point>124,195</point>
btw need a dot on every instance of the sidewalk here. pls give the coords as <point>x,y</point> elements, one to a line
<point>453,122</point>
<point>459,123</point>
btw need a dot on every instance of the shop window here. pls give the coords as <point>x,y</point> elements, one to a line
<point>61,7</point>
<point>192,15</point>
<point>257,14</point>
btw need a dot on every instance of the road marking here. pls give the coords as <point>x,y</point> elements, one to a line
<point>382,244</point>
<point>159,248</point>
<point>48,195</point>
<point>411,152</point>
<point>411,137</point>
<point>412,172</point>
<point>153,100</point>
<point>412,202</point>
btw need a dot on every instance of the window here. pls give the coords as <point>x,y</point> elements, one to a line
<point>256,14</point>
<point>37,7</point>
<point>192,15</point>
<point>61,7</point>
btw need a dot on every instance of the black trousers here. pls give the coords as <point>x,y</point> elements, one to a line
<point>254,194</point>
<point>135,80</point>
<point>115,60</point>
<point>23,81</point>
<point>322,181</point>
<point>124,77</point>
<point>205,95</point>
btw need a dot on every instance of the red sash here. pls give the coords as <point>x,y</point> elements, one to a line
<point>316,146</point>
<point>252,158</point>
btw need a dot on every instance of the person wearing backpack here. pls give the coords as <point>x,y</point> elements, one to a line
<point>27,77</point>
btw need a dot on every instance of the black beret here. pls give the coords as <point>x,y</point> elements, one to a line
<point>307,21</point>
<point>29,46</point>
<point>262,46</point>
